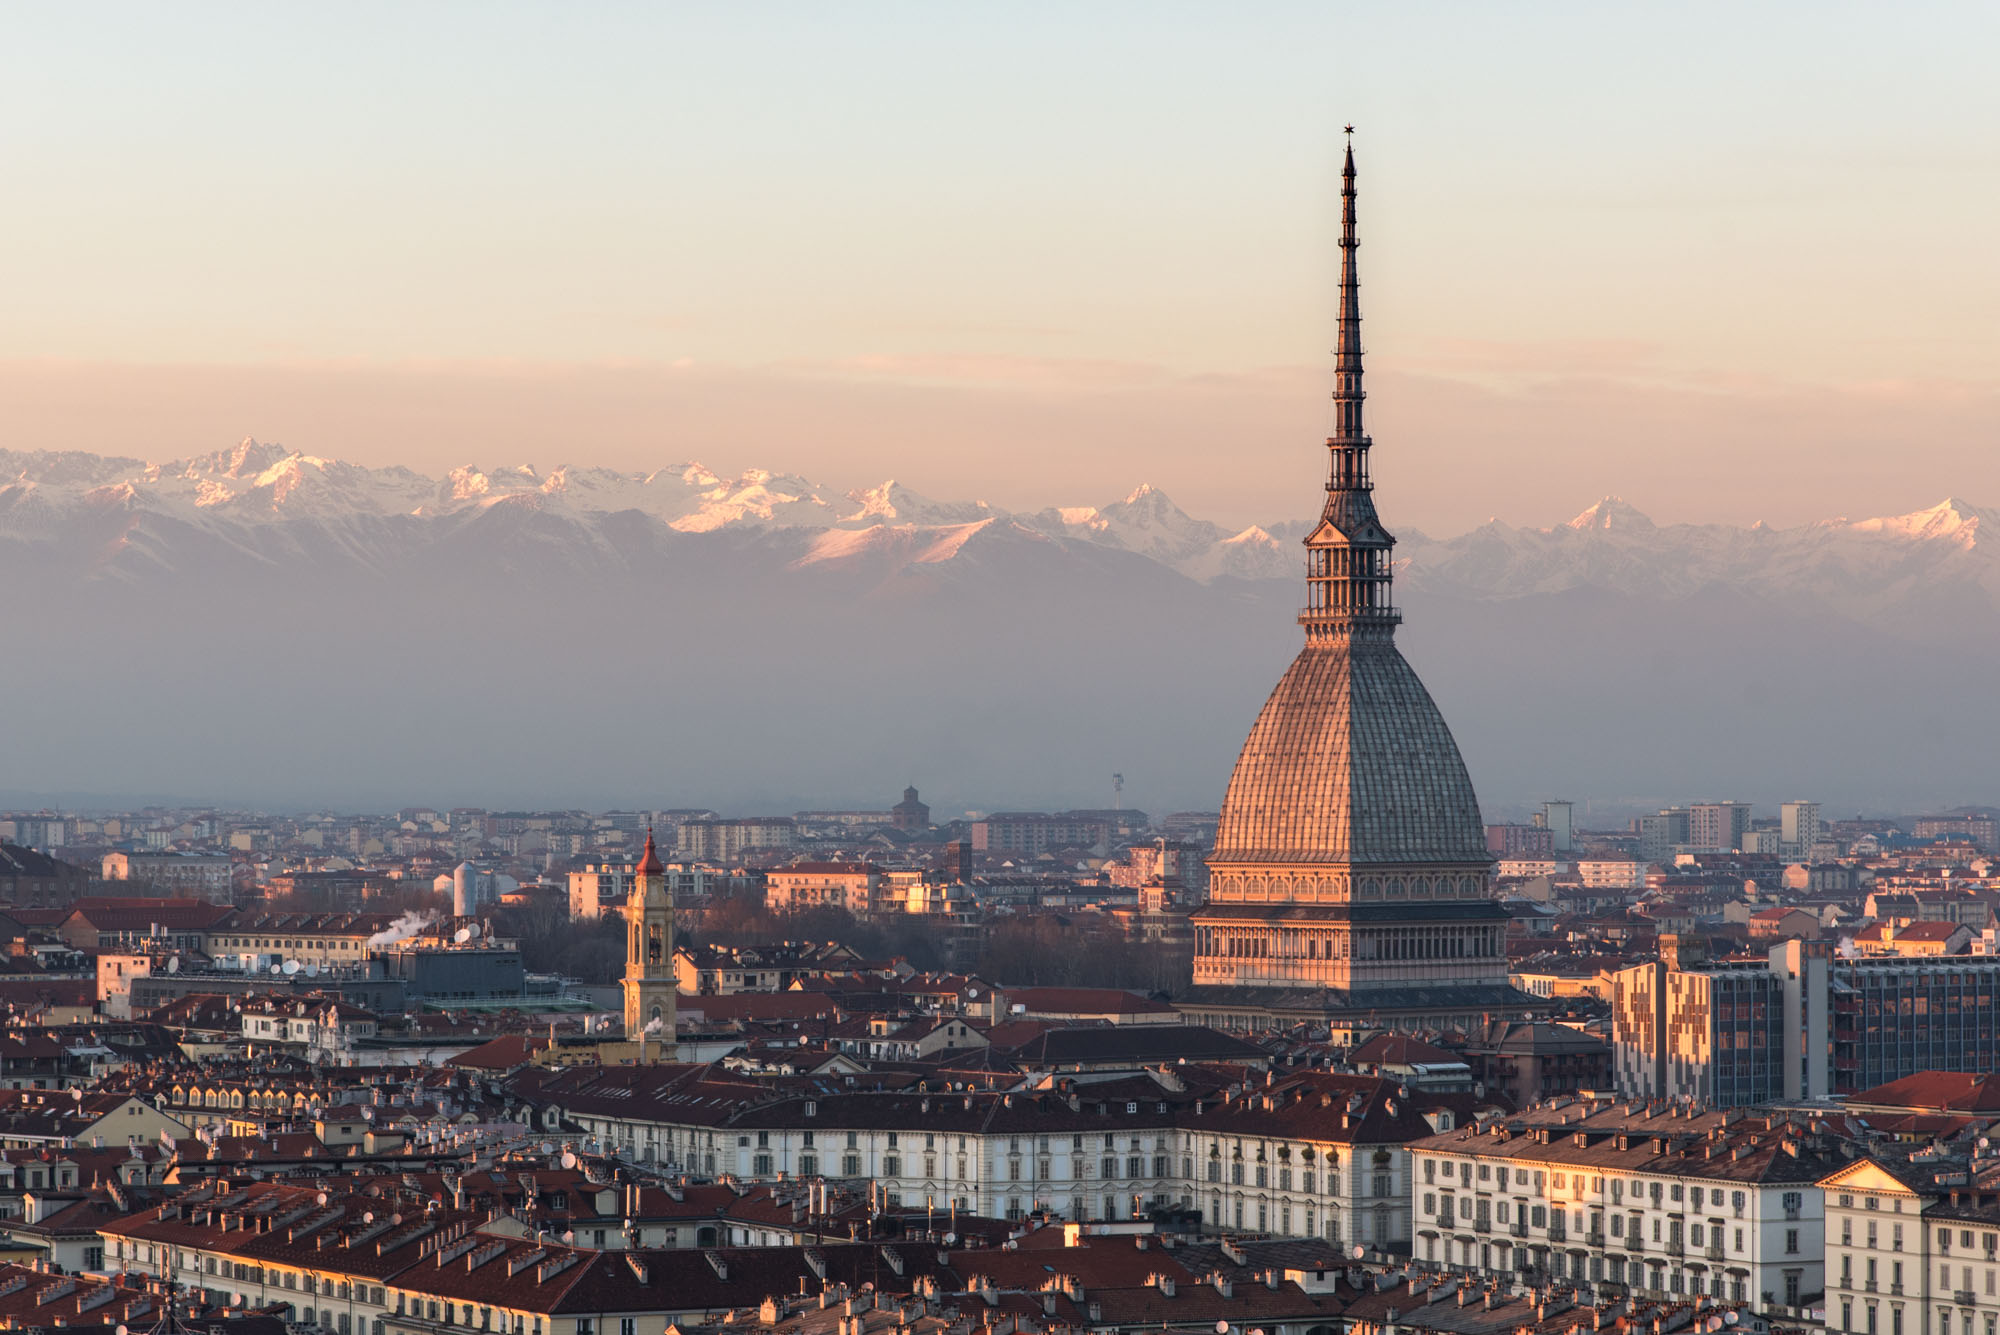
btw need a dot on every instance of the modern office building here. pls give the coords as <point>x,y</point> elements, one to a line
<point>1798,1023</point>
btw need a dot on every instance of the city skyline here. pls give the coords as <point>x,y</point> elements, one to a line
<point>510,823</point>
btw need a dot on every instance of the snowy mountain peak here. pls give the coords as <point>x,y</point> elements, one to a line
<point>1254,536</point>
<point>467,483</point>
<point>1611,513</point>
<point>1951,519</point>
<point>250,458</point>
<point>894,503</point>
<point>1147,499</point>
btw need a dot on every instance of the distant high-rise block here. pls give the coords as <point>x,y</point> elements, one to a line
<point>1660,835</point>
<point>1513,842</point>
<point>1718,827</point>
<point>1798,828</point>
<point>1559,817</point>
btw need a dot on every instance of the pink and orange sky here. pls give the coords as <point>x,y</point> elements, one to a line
<point>1730,262</point>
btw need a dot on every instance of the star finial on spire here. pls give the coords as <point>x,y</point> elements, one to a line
<point>1350,132</point>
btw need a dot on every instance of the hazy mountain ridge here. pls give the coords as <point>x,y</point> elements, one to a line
<point>265,625</point>
<point>122,518</point>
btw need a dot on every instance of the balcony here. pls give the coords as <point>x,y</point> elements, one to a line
<point>1963,1297</point>
<point>1713,1252</point>
<point>1634,1242</point>
<point>1482,1225</point>
<point>1675,1247</point>
<point>1594,1238</point>
<point>1518,1229</point>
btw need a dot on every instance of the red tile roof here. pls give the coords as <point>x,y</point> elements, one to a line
<point>1935,1091</point>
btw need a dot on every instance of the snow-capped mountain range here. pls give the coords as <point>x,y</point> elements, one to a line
<point>269,626</point>
<point>1860,566</point>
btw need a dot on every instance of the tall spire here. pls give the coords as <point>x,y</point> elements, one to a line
<point>1348,554</point>
<point>1347,393</point>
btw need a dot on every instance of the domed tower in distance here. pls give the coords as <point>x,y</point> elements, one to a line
<point>910,813</point>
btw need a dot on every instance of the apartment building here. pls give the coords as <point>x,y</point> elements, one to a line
<point>208,876</point>
<point>728,841</point>
<point>1315,1154</point>
<point>1799,828</point>
<point>324,940</point>
<point>601,888</point>
<point>859,887</point>
<point>1911,1249</point>
<point>1629,1199</point>
<point>1033,832</point>
<point>1612,873</point>
<point>393,1263</point>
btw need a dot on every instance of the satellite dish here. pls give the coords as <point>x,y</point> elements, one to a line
<point>548,1147</point>
<point>972,994</point>
<point>174,964</point>
<point>1358,1252</point>
<point>1730,1318</point>
<point>368,1217</point>
<point>475,928</point>
<point>568,1156</point>
<point>1715,1323</point>
<point>569,1236</point>
<point>1222,1328</point>
<point>291,967</point>
<point>122,1330</point>
<point>321,1198</point>
<point>276,969</point>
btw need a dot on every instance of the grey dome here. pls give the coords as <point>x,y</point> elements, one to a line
<point>1350,761</point>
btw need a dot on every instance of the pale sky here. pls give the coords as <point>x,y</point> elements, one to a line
<point>1729,261</point>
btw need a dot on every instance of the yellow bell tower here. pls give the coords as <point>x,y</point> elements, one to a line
<point>650,992</point>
